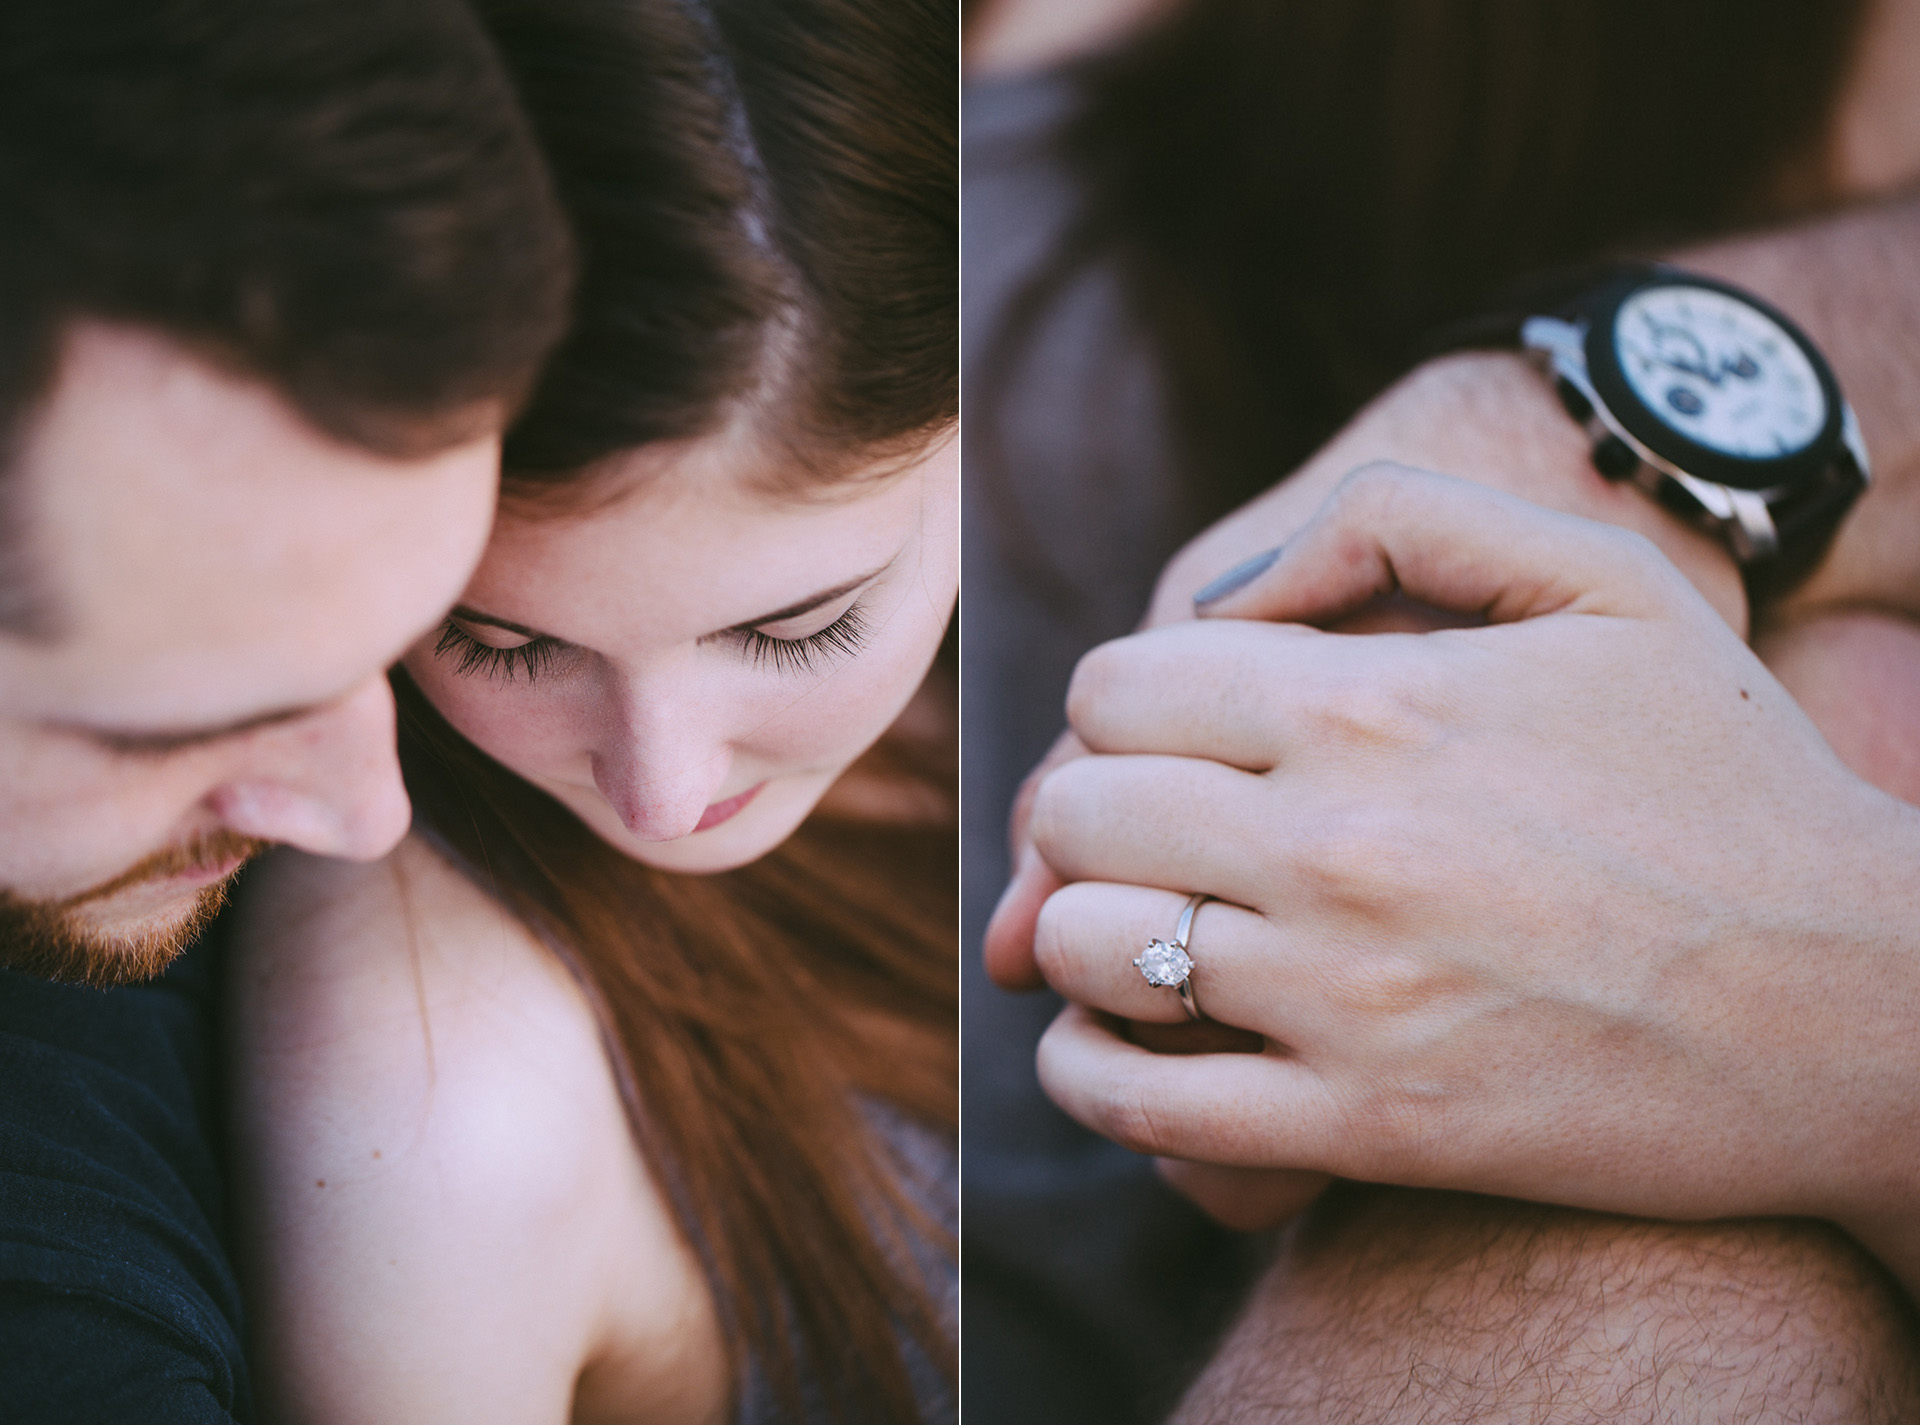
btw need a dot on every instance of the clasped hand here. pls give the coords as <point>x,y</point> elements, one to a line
<point>1575,905</point>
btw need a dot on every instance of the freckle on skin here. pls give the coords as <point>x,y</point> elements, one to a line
<point>1743,693</point>
<point>376,1152</point>
<point>319,1182</point>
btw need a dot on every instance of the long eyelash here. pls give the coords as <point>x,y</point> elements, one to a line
<point>476,656</point>
<point>844,637</point>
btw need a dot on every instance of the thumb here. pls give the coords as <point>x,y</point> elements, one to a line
<point>1391,530</point>
<point>1243,1199</point>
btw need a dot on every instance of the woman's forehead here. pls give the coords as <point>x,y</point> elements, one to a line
<point>738,462</point>
<point>708,553</point>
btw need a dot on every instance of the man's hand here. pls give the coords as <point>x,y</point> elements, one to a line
<point>1577,907</point>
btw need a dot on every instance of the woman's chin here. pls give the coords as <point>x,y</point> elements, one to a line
<point>768,818</point>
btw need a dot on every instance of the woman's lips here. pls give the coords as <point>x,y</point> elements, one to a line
<point>728,809</point>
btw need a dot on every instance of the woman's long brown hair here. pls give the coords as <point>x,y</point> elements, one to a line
<point>764,196</point>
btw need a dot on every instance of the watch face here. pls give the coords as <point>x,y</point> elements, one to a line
<point>1719,372</point>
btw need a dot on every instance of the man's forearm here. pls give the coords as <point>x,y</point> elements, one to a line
<point>1852,279</point>
<point>1399,1305</point>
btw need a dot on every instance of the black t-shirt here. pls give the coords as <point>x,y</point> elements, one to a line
<point>117,1299</point>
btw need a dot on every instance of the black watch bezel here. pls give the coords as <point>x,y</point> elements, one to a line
<point>1768,473</point>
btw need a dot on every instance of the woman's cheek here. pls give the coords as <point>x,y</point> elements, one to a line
<point>813,730</point>
<point>516,725</point>
<point>847,711</point>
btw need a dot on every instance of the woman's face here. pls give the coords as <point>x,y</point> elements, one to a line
<point>689,668</point>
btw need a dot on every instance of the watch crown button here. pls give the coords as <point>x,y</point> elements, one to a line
<point>1614,458</point>
<point>1578,406</point>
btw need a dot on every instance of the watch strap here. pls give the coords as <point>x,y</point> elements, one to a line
<point>1805,522</point>
<point>1564,292</point>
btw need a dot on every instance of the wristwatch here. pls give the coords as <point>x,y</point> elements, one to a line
<point>1716,404</point>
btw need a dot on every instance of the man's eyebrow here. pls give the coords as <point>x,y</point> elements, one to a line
<point>153,744</point>
<point>811,602</point>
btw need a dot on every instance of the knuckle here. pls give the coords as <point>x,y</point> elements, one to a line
<point>1394,1133</point>
<point>1380,987</point>
<point>1640,560</point>
<point>1369,710</point>
<point>1374,480</point>
<point>1096,682</point>
<point>1052,950</point>
<point>1368,492</point>
<point>1056,807</point>
<point>1335,866</point>
<point>1629,544</point>
<point>1129,1119</point>
<point>1359,860</point>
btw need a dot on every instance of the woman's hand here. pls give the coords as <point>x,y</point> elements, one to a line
<point>1486,417</point>
<point>1576,907</point>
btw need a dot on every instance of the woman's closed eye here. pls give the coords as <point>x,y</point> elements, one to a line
<point>475,655</point>
<point>844,637</point>
<point>485,649</point>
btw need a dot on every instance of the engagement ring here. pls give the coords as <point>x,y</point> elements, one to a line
<point>1166,963</point>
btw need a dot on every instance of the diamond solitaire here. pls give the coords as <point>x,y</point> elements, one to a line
<point>1165,964</point>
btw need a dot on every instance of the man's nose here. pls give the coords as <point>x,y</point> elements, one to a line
<point>659,762</point>
<point>328,783</point>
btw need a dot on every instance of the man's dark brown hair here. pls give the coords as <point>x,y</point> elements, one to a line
<point>341,199</point>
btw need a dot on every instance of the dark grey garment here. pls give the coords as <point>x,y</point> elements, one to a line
<point>928,1172</point>
<point>1090,1291</point>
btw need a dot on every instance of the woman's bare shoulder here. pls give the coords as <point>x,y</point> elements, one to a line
<point>402,991</point>
<point>306,922</point>
<point>442,1205</point>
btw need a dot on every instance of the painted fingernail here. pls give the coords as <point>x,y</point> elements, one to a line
<point>1238,577</point>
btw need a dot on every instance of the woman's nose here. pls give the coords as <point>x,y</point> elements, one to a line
<point>660,763</point>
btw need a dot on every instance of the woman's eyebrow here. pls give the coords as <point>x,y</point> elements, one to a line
<point>467,615</point>
<point>812,602</point>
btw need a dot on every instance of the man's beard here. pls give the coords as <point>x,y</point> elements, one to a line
<point>57,940</point>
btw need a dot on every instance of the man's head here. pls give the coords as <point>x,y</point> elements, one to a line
<point>272,275</point>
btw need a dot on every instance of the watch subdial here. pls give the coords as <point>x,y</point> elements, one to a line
<point>1718,371</point>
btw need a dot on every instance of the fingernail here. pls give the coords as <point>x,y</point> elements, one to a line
<point>1238,577</point>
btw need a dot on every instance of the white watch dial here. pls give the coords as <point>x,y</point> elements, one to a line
<point>1719,372</point>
